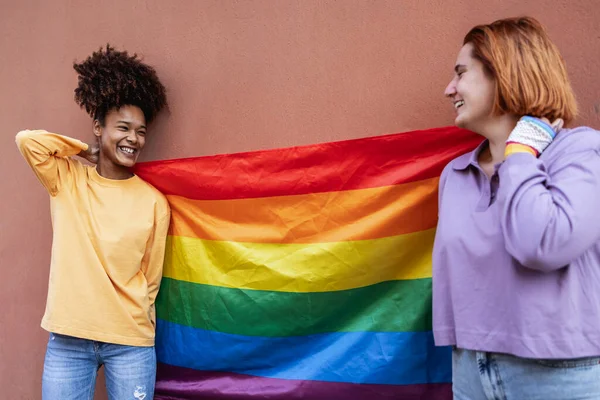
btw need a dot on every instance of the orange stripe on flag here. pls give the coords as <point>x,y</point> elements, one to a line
<point>310,218</point>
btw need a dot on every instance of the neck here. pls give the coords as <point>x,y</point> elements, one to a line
<point>110,170</point>
<point>496,132</point>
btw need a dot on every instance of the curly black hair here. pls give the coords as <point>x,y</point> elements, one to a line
<point>110,79</point>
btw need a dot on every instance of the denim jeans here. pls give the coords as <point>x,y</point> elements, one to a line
<point>71,366</point>
<point>491,376</point>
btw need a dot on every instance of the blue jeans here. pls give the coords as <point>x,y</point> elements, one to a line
<point>71,366</point>
<point>491,376</point>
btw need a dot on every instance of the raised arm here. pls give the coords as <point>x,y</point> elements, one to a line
<point>46,152</point>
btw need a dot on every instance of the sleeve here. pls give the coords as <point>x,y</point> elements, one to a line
<point>155,256</point>
<point>44,152</point>
<point>548,221</point>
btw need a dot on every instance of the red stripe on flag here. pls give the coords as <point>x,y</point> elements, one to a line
<point>327,167</point>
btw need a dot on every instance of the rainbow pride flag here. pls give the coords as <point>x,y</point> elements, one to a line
<point>305,272</point>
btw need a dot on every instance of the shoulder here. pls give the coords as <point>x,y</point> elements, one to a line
<point>77,166</point>
<point>460,163</point>
<point>159,199</point>
<point>575,140</point>
<point>454,170</point>
<point>70,166</point>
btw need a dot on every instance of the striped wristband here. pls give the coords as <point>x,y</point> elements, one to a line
<point>513,148</point>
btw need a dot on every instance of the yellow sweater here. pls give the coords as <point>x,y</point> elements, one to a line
<point>108,245</point>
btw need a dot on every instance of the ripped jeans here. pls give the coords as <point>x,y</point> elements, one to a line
<point>71,366</point>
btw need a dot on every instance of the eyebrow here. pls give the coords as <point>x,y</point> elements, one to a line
<point>127,123</point>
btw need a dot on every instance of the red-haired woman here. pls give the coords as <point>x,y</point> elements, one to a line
<point>516,262</point>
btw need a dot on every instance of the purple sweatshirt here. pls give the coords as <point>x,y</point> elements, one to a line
<point>516,260</point>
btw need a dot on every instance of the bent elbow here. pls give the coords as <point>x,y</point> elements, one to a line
<point>22,138</point>
<point>542,264</point>
<point>538,259</point>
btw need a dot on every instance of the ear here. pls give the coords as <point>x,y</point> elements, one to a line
<point>97,128</point>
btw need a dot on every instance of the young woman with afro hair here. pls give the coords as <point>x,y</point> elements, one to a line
<point>109,233</point>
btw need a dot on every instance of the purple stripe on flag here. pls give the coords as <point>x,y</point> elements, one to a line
<point>176,383</point>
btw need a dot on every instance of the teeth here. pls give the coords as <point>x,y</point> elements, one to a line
<point>459,103</point>
<point>127,150</point>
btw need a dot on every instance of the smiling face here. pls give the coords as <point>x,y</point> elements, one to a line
<point>121,139</point>
<point>472,91</point>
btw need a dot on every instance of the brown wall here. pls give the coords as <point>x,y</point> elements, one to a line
<point>241,75</point>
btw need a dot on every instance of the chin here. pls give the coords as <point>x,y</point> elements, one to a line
<point>127,163</point>
<point>463,121</point>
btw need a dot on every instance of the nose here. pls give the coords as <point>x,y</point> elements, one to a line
<point>451,88</point>
<point>132,137</point>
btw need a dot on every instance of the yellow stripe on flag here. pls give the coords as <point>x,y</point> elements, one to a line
<point>315,267</point>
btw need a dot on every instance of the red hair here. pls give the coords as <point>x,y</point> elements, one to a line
<point>530,74</point>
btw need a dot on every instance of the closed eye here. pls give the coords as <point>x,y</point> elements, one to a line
<point>459,69</point>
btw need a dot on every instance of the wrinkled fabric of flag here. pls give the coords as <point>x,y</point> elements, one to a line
<point>304,272</point>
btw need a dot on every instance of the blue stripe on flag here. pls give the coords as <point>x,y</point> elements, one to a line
<point>395,358</point>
